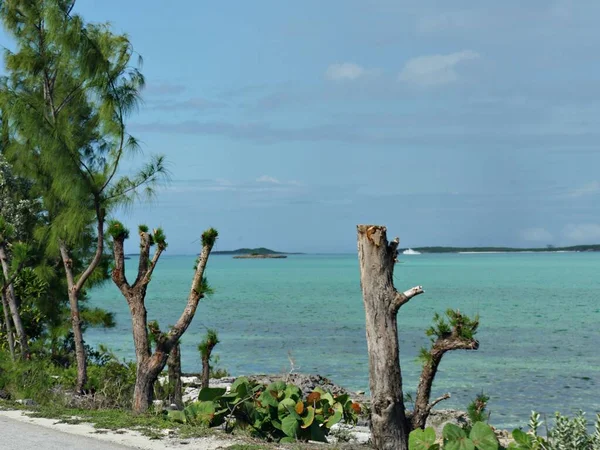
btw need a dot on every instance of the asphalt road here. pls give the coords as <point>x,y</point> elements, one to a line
<point>17,435</point>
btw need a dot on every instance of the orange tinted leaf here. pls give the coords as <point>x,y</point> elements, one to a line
<point>313,397</point>
<point>299,407</point>
<point>355,407</point>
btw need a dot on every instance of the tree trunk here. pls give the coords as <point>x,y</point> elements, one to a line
<point>80,355</point>
<point>144,388</point>
<point>175,385</point>
<point>377,258</point>
<point>12,303</point>
<point>9,332</point>
<point>205,370</point>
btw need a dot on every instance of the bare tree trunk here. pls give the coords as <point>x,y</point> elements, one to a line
<point>453,341</point>
<point>175,385</point>
<point>9,291</point>
<point>9,332</point>
<point>382,301</point>
<point>205,371</point>
<point>80,356</point>
<point>150,365</point>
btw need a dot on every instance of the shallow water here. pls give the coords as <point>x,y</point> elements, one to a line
<point>539,337</point>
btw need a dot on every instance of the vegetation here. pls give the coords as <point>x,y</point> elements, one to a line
<point>211,339</point>
<point>276,412</point>
<point>151,363</point>
<point>252,251</point>
<point>481,437</point>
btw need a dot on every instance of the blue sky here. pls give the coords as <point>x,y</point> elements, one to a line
<point>286,123</point>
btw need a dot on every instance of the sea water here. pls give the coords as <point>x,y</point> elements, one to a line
<point>539,333</point>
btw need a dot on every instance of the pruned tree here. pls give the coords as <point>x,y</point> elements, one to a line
<point>69,89</point>
<point>455,332</point>
<point>151,363</point>
<point>390,426</point>
<point>205,347</point>
<point>174,374</point>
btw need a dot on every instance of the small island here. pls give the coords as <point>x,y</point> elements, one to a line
<point>255,253</point>
<point>256,256</point>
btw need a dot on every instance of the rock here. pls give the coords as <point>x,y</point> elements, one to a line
<point>27,402</point>
<point>190,394</point>
<point>306,382</point>
<point>191,381</point>
<point>438,418</point>
<point>341,432</point>
<point>172,407</point>
<point>158,404</point>
<point>4,395</point>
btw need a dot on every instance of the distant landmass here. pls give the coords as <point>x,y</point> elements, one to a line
<point>574,248</point>
<point>260,251</point>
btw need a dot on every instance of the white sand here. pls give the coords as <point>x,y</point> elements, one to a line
<point>124,437</point>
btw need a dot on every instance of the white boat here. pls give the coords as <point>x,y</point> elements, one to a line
<point>410,251</point>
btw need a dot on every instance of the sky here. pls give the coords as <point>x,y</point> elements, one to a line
<point>286,123</point>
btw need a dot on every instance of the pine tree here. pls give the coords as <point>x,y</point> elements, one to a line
<point>69,89</point>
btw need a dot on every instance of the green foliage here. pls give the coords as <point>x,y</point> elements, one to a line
<point>476,410</point>
<point>567,434</point>
<point>481,437</point>
<point>143,228</point>
<point>211,339</point>
<point>454,323</point>
<point>209,237</point>
<point>275,412</point>
<point>117,230</point>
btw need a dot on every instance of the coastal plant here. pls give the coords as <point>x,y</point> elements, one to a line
<point>481,437</point>
<point>390,425</point>
<point>68,90</point>
<point>205,347</point>
<point>277,412</point>
<point>151,361</point>
<point>567,434</point>
<point>476,410</point>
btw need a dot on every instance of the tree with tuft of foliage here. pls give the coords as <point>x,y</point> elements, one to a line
<point>69,89</point>
<point>150,364</point>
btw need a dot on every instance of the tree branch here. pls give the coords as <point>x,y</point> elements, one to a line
<point>118,273</point>
<point>404,297</point>
<point>99,247</point>
<point>438,400</point>
<point>145,244</point>
<point>193,298</point>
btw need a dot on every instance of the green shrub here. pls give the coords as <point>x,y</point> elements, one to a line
<point>481,437</point>
<point>31,379</point>
<point>276,412</point>
<point>567,434</point>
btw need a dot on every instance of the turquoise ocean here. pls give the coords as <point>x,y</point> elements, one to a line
<point>539,334</point>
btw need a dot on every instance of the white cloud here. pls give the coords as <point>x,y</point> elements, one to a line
<point>588,189</point>
<point>585,233</point>
<point>268,179</point>
<point>345,71</point>
<point>435,69</point>
<point>536,235</point>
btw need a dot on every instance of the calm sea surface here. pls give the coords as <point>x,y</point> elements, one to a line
<point>539,334</point>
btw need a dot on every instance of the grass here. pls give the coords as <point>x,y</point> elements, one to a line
<point>154,426</point>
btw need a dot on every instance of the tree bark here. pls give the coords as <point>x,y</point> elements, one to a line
<point>175,385</point>
<point>430,367</point>
<point>80,356</point>
<point>9,291</point>
<point>382,301</point>
<point>9,332</point>
<point>149,365</point>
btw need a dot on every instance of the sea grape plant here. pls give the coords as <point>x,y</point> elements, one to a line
<point>277,412</point>
<point>481,437</point>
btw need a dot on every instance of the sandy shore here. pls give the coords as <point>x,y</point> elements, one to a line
<point>120,438</point>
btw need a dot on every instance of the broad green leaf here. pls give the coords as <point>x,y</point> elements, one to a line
<point>337,415</point>
<point>277,386</point>
<point>308,420</point>
<point>290,426</point>
<point>287,440</point>
<point>286,407</point>
<point>177,416</point>
<point>267,399</point>
<point>209,394</point>
<point>456,439</point>
<point>483,437</point>
<point>293,392</point>
<point>524,440</point>
<point>421,439</point>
